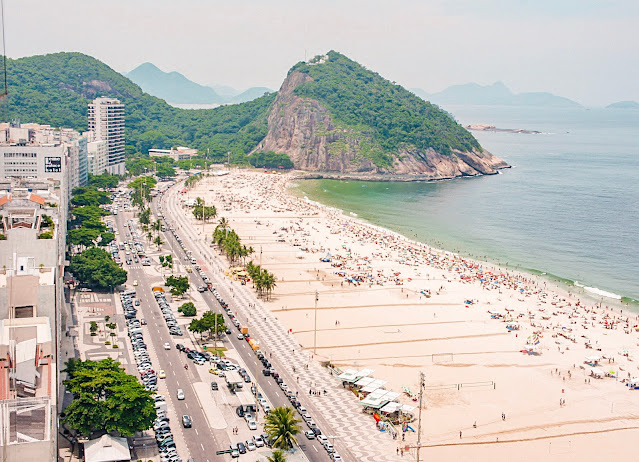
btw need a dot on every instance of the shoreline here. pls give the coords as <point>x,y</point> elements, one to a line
<point>492,340</point>
<point>592,293</point>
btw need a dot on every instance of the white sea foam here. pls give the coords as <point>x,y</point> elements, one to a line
<point>599,292</point>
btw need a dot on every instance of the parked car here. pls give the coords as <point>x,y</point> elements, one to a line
<point>186,421</point>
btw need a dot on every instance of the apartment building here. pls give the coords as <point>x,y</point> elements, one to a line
<point>33,232</point>
<point>106,121</point>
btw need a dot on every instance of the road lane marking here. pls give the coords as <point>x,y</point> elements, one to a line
<point>315,448</point>
<point>202,446</point>
<point>196,432</point>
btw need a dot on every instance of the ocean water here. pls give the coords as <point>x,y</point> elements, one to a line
<point>568,209</point>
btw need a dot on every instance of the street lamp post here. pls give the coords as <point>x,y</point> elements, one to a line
<point>315,328</point>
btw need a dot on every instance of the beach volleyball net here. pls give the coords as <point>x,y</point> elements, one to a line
<point>438,358</point>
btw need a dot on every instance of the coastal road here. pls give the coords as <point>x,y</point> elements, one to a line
<point>202,442</point>
<point>267,385</point>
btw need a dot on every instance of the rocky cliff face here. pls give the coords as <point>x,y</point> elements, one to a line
<point>304,129</point>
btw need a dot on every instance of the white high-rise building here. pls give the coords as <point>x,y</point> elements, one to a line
<point>106,121</point>
<point>96,154</point>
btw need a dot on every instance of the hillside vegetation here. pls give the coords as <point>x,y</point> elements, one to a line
<point>56,88</point>
<point>393,117</point>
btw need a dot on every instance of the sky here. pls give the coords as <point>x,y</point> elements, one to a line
<point>586,50</point>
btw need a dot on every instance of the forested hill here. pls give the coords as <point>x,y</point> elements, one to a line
<point>332,115</point>
<point>55,89</point>
<point>394,116</point>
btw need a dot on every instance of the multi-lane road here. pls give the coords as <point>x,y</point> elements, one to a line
<point>202,441</point>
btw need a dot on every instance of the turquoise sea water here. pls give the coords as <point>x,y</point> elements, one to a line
<point>569,207</point>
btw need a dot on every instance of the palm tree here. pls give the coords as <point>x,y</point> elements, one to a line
<point>222,224</point>
<point>281,427</point>
<point>158,241</point>
<point>277,456</point>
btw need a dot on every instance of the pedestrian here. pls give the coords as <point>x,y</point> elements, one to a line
<point>397,451</point>
<point>460,434</point>
<point>403,436</point>
<point>402,452</point>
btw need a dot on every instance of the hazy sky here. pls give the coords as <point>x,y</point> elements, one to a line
<point>587,50</point>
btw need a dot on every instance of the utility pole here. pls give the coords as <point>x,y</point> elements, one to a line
<point>422,385</point>
<point>203,220</point>
<point>315,328</point>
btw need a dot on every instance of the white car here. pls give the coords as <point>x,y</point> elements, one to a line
<point>329,447</point>
<point>322,439</point>
<point>180,394</point>
<point>250,445</point>
<point>167,346</point>
<point>252,425</point>
<point>336,457</point>
<point>259,442</point>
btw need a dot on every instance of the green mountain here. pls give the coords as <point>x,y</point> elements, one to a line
<point>334,116</point>
<point>331,115</point>
<point>624,105</point>
<point>56,88</point>
<point>172,86</point>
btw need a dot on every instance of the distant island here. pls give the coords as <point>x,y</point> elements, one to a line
<point>492,128</point>
<point>496,94</point>
<point>174,87</point>
<point>624,105</point>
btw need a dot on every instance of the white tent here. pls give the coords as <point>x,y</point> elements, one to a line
<point>107,449</point>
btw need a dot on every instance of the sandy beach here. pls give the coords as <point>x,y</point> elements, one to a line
<point>503,353</point>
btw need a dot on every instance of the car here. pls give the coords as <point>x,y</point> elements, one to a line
<point>322,439</point>
<point>239,411</point>
<point>248,416</point>
<point>240,336</point>
<point>201,289</point>
<point>316,430</point>
<point>162,374</point>
<point>213,370</point>
<point>235,453</point>
<point>135,283</point>
<point>266,372</point>
<point>241,448</point>
<point>167,346</point>
<point>258,441</point>
<point>250,445</point>
<point>309,434</point>
<point>252,425</point>
<point>186,421</point>
<point>180,394</point>
<point>336,457</point>
<point>214,386</point>
<point>329,447</point>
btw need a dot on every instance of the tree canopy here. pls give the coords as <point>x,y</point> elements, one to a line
<point>281,427</point>
<point>106,398</point>
<point>95,267</point>
<point>270,160</point>
<point>104,181</point>
<point>387,114</point>
<point>178,284</point>
<point>55,89</point>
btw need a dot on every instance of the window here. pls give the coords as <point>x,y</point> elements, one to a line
<point>24,311</point>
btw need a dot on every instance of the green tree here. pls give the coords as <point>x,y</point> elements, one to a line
<point>164,171</point>
<point>82,236</point>
<point>106,238</point>
<point>281,427</point>
<point>93,327</point>
<point>106,398</point>
<point>87,213</point>
<point>277,456</point>
<point>95,267</point>
<point>104,181</point>
<point>179,285</point>
<point>89,196</point>
<point>188,309</point>
<point>158,241</point>
<point>197,326</point>
<point>145,216</point>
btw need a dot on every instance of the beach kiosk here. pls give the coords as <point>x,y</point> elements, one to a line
<point>234,380</point>
<point>247,400</point>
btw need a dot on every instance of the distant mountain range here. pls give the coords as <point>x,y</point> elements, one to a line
<point>624,105</point>
<point>496,94</point>
<point>173,87</point>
